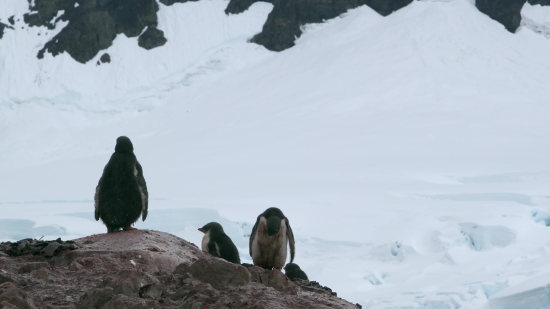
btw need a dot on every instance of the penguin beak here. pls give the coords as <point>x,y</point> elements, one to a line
<point>200,229</point>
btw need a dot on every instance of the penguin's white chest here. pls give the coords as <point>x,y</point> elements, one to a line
<point>269,250</point>
<point>205,241</point>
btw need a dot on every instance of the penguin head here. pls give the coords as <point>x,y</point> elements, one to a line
<point>273,225</point>
<point>273,216</point>
<point>124,145</point>
<point>213,227</point>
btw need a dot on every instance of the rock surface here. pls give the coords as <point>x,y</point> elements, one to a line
<point>143,269</point>
<point>92,24</point>
<point>283,23</point>
<point>2,28</point>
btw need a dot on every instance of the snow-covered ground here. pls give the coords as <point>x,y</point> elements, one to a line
<point>409,152</point>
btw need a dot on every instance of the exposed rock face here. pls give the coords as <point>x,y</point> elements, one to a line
<point>170,2</point>
<point>283,23</point>
<point>143,270</point>
<point>2,27</point>
<point>541,2</point>
<point>92,24</point>
<point>151,38</point>
<point>506,12</point>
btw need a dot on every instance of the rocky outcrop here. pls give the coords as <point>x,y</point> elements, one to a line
<point>541,2</point>
<point>283,23</point>
<point>506,12</point>
<point>144,269</point>
<point>92,24</point>
<point>151,38</point>
<point>2,28</point>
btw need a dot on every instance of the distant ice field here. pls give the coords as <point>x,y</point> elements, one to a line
<point>409,152</point>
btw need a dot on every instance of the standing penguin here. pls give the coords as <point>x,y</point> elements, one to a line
<point>293,272</point>
<point>217,243</point>
<point>121,195</point>
<point>269,238</point>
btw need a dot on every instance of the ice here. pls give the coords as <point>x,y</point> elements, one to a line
<point>531,294</point>
<point>541,216</point>
<point>485,237</point>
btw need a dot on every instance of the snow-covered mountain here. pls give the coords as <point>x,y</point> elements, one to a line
<point>409,151</point>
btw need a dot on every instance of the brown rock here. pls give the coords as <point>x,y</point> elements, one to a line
<point>42,273</point>
<point>95,298</point>
<point>126,302</point>
<point>51,249</point>
<point>151,291</point>
<point>168,272</point>
<point>272,278</point>
<point>4,277</point>
<point>129,282</point>
<point>219,273</point>
<point>6,305</point>
<point>11,294</point>
<point>29,267</point>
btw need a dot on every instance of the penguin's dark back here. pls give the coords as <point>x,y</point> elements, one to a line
<point>230,253</point>
<point>119,194</point>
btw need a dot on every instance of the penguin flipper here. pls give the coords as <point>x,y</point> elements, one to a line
<point>213,249</point>
<point>143,189</point>
<point>290,237</point>
<point>253,235</point>
<point>96,199</point>
<point>231,253</point>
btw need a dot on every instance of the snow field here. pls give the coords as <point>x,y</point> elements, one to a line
<point>409,152</point>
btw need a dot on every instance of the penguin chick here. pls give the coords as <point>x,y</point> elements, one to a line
<point>121,195</point>
<point>293,272</point>
<point>269,239</point>
<point>217,243</point>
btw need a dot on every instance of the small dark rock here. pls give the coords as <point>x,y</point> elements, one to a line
<point>51,249</point>
<point>105,58</point>
<point>151,291</point>
<point>151,38</point>
<point>11,20</point>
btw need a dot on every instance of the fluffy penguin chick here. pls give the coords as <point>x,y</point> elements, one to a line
<point>269,239</point>
<point>293,272</point>
<point>218,244</point>
<point>121,195</point>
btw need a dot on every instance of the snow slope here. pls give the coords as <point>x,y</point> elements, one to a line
<point>409,152</point>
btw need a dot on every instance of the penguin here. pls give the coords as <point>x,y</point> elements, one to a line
<point>293,272</point>
<point>218,244</point>
<point>121,195</point>
<point>269,239</point>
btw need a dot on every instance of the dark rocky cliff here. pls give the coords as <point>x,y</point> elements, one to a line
<point>506,12</point>
<point>142,270</point>
<point>94,24</point>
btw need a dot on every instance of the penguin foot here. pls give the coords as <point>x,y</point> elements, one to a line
<point>129,228</point>
<point>112,230</point>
